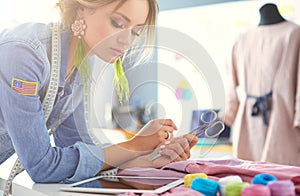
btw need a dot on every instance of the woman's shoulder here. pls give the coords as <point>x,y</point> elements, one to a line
<point>25,48</point>
<point>32,34</point>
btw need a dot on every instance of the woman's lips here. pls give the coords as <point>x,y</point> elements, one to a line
<point>117,52</point>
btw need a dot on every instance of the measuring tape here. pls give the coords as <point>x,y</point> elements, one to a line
<point>48,101</point>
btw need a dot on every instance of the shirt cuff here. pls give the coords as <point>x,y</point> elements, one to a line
<point>91,160</point>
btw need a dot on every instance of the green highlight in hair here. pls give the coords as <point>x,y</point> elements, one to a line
<point>82,64</point>
<point>120,81</point>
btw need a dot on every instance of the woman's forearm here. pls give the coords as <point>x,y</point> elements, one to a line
<point>118,154</point>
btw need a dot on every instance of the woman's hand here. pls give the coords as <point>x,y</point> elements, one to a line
<point>152,134</point>
<point>176,149</point>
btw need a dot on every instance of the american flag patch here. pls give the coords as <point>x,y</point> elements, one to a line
<point>24,87</point>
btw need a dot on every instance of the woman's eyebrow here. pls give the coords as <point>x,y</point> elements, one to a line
<point>123,16</point>
<point>126,18</point>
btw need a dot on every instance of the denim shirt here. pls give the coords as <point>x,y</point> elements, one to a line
<point>25,53</point>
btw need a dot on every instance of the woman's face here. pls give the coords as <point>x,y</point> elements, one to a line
<point>110,31</point>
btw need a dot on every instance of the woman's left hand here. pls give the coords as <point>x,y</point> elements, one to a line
<point>153,133</point>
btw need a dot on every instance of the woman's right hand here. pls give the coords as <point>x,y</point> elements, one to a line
<point>153,134</point>
<point>178,149</point>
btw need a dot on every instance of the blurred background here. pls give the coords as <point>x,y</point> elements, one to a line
<point>170,85</point>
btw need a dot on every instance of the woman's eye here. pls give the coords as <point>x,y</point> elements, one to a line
<point>117,24</point>
<point>136,31</point>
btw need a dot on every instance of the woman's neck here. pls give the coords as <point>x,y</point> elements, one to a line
<point>269,14</point>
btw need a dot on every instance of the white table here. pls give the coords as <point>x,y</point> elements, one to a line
<point>23,185</point>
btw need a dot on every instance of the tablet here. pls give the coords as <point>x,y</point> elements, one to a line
<point>121,184</point>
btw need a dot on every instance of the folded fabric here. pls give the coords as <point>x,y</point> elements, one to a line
<point>216,169</point>
<point>296,181</point>
<point>177,191</point>
<point>151,172</point>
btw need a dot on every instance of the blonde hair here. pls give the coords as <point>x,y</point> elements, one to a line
<point>68,12</point>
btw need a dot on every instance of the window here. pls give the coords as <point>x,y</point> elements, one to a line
<point>13,12</point>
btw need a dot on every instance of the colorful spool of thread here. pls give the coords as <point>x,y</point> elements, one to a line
<point>223,182</point>
<point>190,177</point>
<point>282,188</point>
<point>256,190</point>
<point>207,187</point>
<point>235,189</point>
<point>263,179</point>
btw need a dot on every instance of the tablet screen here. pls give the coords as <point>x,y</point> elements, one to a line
<point>119,184</point>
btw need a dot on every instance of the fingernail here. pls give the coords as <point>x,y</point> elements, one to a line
<point>162,146</point>
<point>167,142</point>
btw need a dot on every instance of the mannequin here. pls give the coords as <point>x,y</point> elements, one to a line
<point>262,103</point>
<point>269,14</point>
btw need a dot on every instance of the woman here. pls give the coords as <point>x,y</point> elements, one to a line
<point>25,71</point>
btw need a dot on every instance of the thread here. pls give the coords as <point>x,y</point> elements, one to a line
<point>190,177</point>
<point>256,190</point>
<point>282,188</point>
<point>235,189</point>
<point>223,182</point>
<point>207,187</point>
<point>263,179</point>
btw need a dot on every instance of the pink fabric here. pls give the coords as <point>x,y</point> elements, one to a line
<point>182,191</point>
<point>152,172</point>
<point>177,191</point>
<point>296,181</point>
<point>245,169</point>
<point>216,169</point>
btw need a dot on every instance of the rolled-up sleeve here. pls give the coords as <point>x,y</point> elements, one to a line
<point>90,161</point>
<point>25,123</point>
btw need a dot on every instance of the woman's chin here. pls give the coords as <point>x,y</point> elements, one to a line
<point>109,60</point>
<point>113,59</point>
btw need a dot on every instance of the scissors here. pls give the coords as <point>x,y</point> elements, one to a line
<point>210,126</point>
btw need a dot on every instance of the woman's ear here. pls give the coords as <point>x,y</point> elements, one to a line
<point>80,12</point>
<point>83,11</point>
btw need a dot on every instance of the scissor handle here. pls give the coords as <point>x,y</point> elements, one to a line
<point>215,129</point>
<point>208,116</point>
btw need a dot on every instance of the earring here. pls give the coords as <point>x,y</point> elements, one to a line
<point>80,61</point>
<point>120,81</point>
<point>78,27</point>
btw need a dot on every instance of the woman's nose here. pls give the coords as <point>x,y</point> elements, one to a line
<point>125,38</point>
